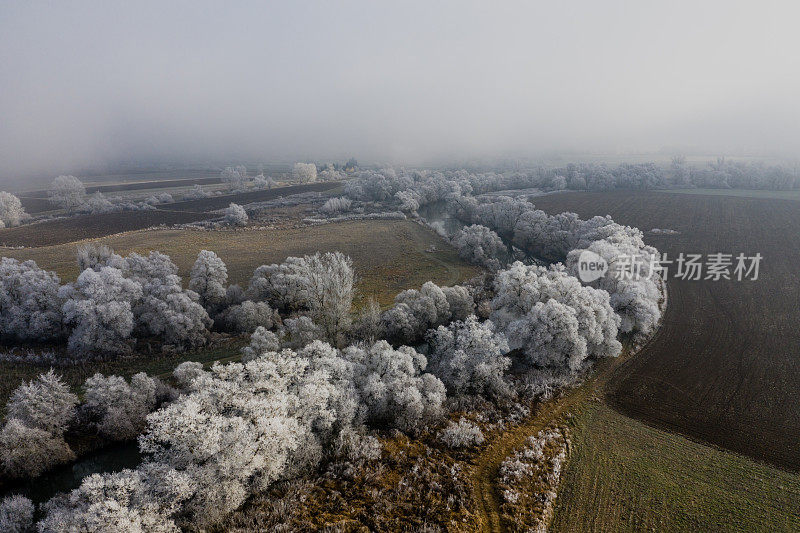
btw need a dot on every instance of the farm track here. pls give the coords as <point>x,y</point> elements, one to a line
<point>724,368</point>
<point>486,470</point>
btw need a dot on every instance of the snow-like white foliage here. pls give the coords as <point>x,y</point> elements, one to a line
<point>302,330</point>
<point>336,205</point>
<point>145,500</point>
<point>554,319</point>
<point>16,514</point>
<point>118,407</point>
<point>417,311</point>
<point>208,278</point>
<point>408,200</point>
<point>242,427</point>
<point>28,451</point>
<point>481,246</point>
<point>45,403</point>
<point>196,193</point>
<point>165,308</point>
<point>634,297</point>
<point>264,182</point>
<point>235,177</point>
<point>529,479</point>
<point>95,256</point>
<point>161,198</point>
<point>470,358</point>
<point>11,210</point>
<point>235,215</point>
<point>368,326</point>
<point>67,192</point>
<point>305,172</point>
<point>98,306</point>
<point>186,372</point>
<point>98,203</point>
<point>261,341</point>
<point>464,434</point>
<point>393,387</point>
<point>320,284</point>
<point>247,316</point>
<point>30,307</point>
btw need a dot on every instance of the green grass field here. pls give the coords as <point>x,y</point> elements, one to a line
<point>626,476</point>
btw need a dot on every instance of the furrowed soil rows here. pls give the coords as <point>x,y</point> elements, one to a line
<point>724,366</point>
<point>60,231</point>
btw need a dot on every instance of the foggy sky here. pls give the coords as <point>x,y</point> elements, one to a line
<point>403,82</point>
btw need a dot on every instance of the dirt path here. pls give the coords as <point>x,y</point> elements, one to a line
<point>484,478</point>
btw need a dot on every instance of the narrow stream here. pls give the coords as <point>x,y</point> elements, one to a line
<point>67,477</point>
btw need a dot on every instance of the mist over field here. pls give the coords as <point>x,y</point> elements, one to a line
<point>89,85</point>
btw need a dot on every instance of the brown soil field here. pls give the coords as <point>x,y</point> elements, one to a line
<point>724,367</point>
<point>388,255</point>
<point>81,227</point>
<point>136,186</point>
<point>220,202</point>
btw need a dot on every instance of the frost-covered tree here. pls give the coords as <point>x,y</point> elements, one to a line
<point>165,309</point>
<point>98,306</point>
<point>94,256</point>
<point>98,203</point>
<point>240,428</point>
<point>417,311</point>
<point>28,451</point>
<point>336,205</point>
<point>305,172</point>
<point>16,514</point>
<point>11,210</point>
<point>30,306</point>
<point>208,278</point>
<point>470,358</point>
<point>367,326</point>
<point>393,386</point>
<point>247,316</point>
<point>261,341</point>
<point>196,193</point>
<point>119,408</point>
<point>481,246</point>
<point>147,499</point>
<point>67,192</point>
<point>302,330</point>
<point>235,215</point>
<point>553,318</point>
<point>45,403</point>
<point>235,177</point>
<point>320,284</point>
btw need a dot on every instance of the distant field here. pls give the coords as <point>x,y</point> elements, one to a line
<point>80,227</point>
<point>743,193</point>
<point>388,255</point>
<point>220,202</point>
<point>626,476</point>
<point>725,366</point>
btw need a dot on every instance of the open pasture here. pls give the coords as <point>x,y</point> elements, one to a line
<point>388,255</point>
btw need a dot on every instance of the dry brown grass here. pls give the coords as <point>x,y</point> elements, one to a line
<point>388,255</point>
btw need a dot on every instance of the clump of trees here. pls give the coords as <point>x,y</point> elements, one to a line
<point>417,311</point>
<point>305,172</point>
<point>481,246</point>
<point>11,211</point>
<point>552,318</point>
<point>235,215</point>
<point>37,415</point>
